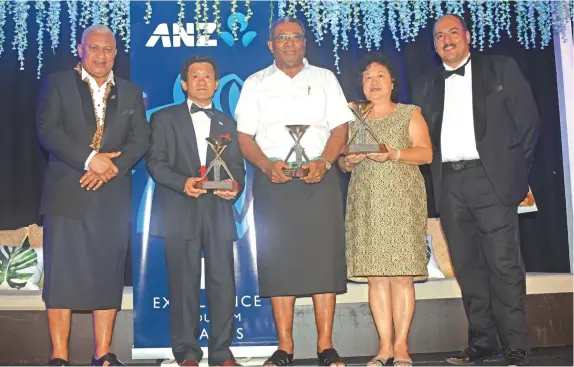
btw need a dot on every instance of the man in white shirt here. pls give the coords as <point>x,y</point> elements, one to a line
<point>191,219</point>
<point>93,124</point>
<point>484,125</point>
<point>298,221</point>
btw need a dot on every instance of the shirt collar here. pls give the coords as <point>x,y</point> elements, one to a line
<point>275,69</point>
<point>190,102</point>
<point>446,67</point>
<point>92,80</point>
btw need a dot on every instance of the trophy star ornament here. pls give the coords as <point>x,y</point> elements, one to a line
<point>218,145</point>
<point>358,142</point>
<point>297,132</point>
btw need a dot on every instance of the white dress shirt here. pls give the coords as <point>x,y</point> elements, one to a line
<point>458,142</point>
<point>98,94</point>
<point>270,99</point>
<point>202,127</point>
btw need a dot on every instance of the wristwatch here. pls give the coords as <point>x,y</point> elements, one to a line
<point>327,164</point>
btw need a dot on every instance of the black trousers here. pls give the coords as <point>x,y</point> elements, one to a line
<point>183,260</point>
<point>484,246</point>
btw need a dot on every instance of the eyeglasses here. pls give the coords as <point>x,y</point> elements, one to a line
<point>295,37</point>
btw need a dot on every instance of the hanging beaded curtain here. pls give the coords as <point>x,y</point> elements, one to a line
<point>347,21</point>
<point>113,13</point>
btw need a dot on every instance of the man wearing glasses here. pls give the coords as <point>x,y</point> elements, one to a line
<point>298,221</point>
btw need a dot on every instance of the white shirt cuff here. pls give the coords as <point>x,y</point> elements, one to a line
<point>86,165</point>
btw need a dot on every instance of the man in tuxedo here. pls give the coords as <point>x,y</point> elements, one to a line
<point>191,219</point>
<point>94,127</point>
<point>484,126</point>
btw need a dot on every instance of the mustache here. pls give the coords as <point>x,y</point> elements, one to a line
<point>448,45</point>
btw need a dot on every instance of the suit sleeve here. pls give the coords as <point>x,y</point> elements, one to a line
<point>138,138</point>
<point>522,108</point>
<point>417,94</point>
<point>237,164</point>
<point>51,129</point>
<point>157,162</point>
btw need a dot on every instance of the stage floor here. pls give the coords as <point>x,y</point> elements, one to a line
<point>558,356</point>
<point>555,356</point>
<point>439,326</point>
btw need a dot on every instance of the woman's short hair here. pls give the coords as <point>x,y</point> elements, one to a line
<point>381,59</point>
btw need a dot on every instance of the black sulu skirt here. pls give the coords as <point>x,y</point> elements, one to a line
<point>300,236</point>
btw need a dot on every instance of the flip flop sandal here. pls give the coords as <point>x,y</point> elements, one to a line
<point>382,361</point>
<point>402,362</point>
<point>280,358</point>
<point>328,357</point>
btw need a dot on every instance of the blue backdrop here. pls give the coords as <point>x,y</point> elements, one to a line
<point>157,54</point>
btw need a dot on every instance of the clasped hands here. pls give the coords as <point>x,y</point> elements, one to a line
<point>192,191</point>
<point>102,170</point>
<point>274,171</point>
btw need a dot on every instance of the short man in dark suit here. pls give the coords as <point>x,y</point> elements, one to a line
<point>193,220</point>
<point>94,127</point>
<point>484,126</point>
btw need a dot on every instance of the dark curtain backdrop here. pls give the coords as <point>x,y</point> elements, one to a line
<point>22,161</point>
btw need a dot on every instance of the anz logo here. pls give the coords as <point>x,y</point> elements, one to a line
<point>183,35</point>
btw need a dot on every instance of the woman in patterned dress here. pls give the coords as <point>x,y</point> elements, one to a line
<point>387,210</point>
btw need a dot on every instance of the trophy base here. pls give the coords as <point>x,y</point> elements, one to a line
<point>295,172</point>
<point>218,185</point>
<point>364,149</point>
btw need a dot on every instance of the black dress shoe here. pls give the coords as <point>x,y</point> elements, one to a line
<point>111,358</point>
<point>57,362</point>
<point>469,355</point>
<point>516,357</point>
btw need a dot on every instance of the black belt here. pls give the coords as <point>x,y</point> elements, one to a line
<point>460,165</point>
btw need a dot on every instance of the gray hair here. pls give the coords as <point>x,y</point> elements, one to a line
<point>286,19</point>
<point>97,28</point>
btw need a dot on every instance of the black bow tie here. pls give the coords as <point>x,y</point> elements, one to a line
<point>459,71</point>
<point>195,108</point>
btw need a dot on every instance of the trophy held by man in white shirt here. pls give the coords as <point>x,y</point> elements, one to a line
<point>297,132</point>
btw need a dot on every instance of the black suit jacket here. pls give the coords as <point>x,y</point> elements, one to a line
<point>506,124</point>
<point>66,124</point>
<point>173,158</point>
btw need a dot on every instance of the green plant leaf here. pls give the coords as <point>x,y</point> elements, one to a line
<point>4,260</point>
<point>17,265</point>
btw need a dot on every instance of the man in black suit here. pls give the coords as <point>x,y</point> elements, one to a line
<point>94,127</point>
<point>484,126</point>
<point>191,219</point>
